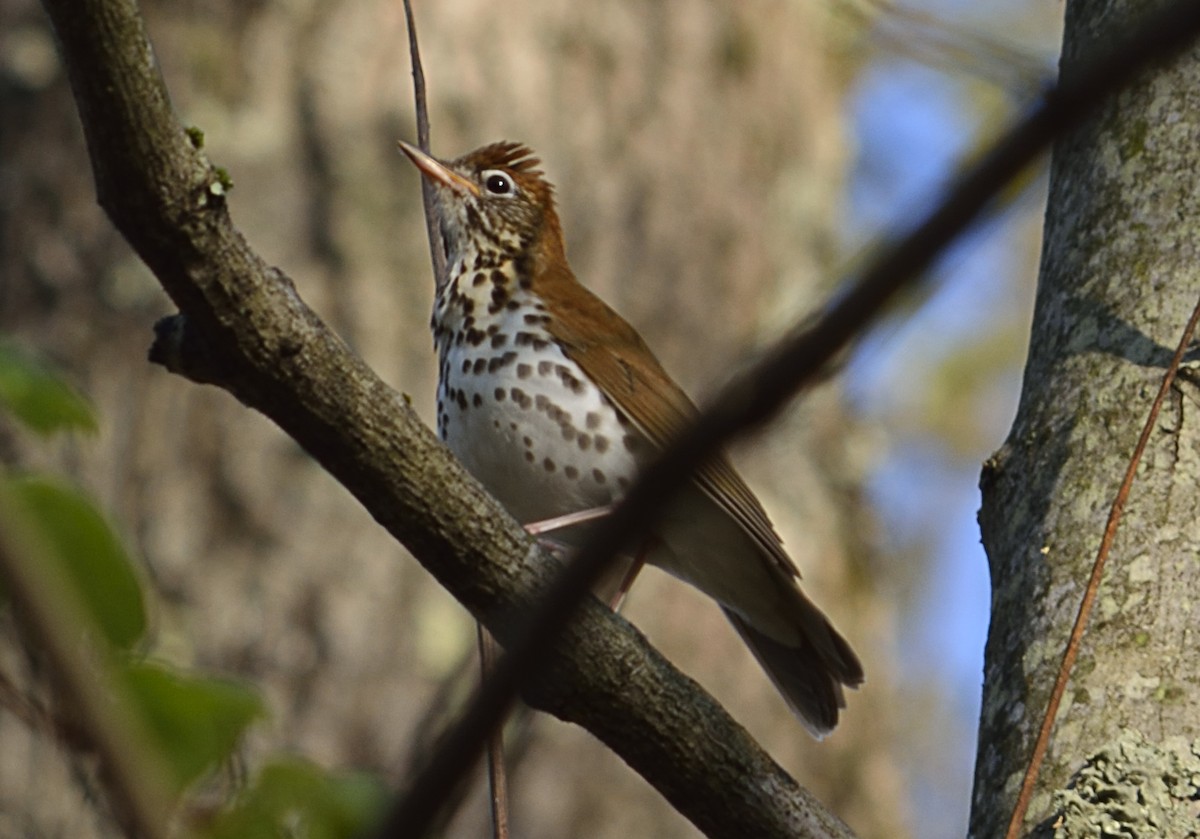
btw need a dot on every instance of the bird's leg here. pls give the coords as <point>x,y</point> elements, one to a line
<point>630,575</point>
<point>538,528</point>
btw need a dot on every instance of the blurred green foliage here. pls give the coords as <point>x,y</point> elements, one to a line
<point>195,721</point>
<point>38,397</point>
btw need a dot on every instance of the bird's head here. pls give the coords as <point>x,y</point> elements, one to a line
<point>493,200</point>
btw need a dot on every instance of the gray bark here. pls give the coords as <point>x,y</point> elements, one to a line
<point>1119,277</point>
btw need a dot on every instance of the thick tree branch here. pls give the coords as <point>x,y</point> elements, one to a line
<point>245,328</point>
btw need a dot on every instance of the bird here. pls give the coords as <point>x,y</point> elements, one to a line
<point>554,402</point>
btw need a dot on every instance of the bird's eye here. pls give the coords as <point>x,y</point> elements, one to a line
<point>498,184</point>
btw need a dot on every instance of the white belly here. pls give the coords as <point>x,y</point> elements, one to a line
<point>540,440</point>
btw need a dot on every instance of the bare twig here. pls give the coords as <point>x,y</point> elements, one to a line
<point>432,226</point>
<point>1093,586</point>
<point>37,717</point>
<point>497,773</point>
<point>496,770</point>
<point>757,394</point>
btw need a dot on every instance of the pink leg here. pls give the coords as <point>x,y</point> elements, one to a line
<point>630,576</point>
<point>559,522</point>
<point>537,528</point>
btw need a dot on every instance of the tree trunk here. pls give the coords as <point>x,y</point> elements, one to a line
<point>1119,277</point>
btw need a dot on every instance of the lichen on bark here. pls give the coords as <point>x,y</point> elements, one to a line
<point>1133,788</point>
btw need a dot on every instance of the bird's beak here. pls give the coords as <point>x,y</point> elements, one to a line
<point>438,172</point>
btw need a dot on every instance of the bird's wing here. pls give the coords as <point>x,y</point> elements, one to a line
<point>614,356</point>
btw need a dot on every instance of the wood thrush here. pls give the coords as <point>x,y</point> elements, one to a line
<point>553,402</point>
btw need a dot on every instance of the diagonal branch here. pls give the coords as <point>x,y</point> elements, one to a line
<point>245,329</point>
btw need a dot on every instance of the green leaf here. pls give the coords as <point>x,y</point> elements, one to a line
<point>196,720</point>
<point>90,554</point>
<point>293,798</point>
<point>38,397</point>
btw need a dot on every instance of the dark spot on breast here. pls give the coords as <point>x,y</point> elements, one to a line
<point>542,402</point>
<point>501,361</point>
<point>479,279</point>
<point>512,305</point>
<point>568,379</point>
<point>598,476</point>
<point>466,365</point>
<point>632,442</point>
<point>461,399</point>
<point>529,456</point>
<point>498,278</point>
<point>568,432</point>
<point>499,394</point>
<point>499,298</point>
<point>584,441</point>
<point>528,441</point>
<point>544,367</point>
<point>524,270</point>
<point>475,337</point>
<point>539,344</point>
<point>480,365</point>
<point>601,443</point>
<point>592,420</point>
<point>524,371</point>
<point>499,340</point>
<point>524,339</point>
<point>477,401</point>
<point>520,397</point>
<point>536,320</point>
<point>548,465</point>
<point>571,472</point>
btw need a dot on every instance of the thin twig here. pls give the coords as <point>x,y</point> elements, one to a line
<point>497,773</point>
<point>761,391</point>
<point>436,253</point>
<point>496,770</point>
<point>40,719</point>
<point>1093,586</point>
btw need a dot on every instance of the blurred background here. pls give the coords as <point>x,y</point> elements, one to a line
<point>719,168</point>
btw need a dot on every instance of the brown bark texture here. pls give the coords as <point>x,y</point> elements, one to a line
<point>1119,278</point>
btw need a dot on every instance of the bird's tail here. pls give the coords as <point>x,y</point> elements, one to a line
<point>810,676</point>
